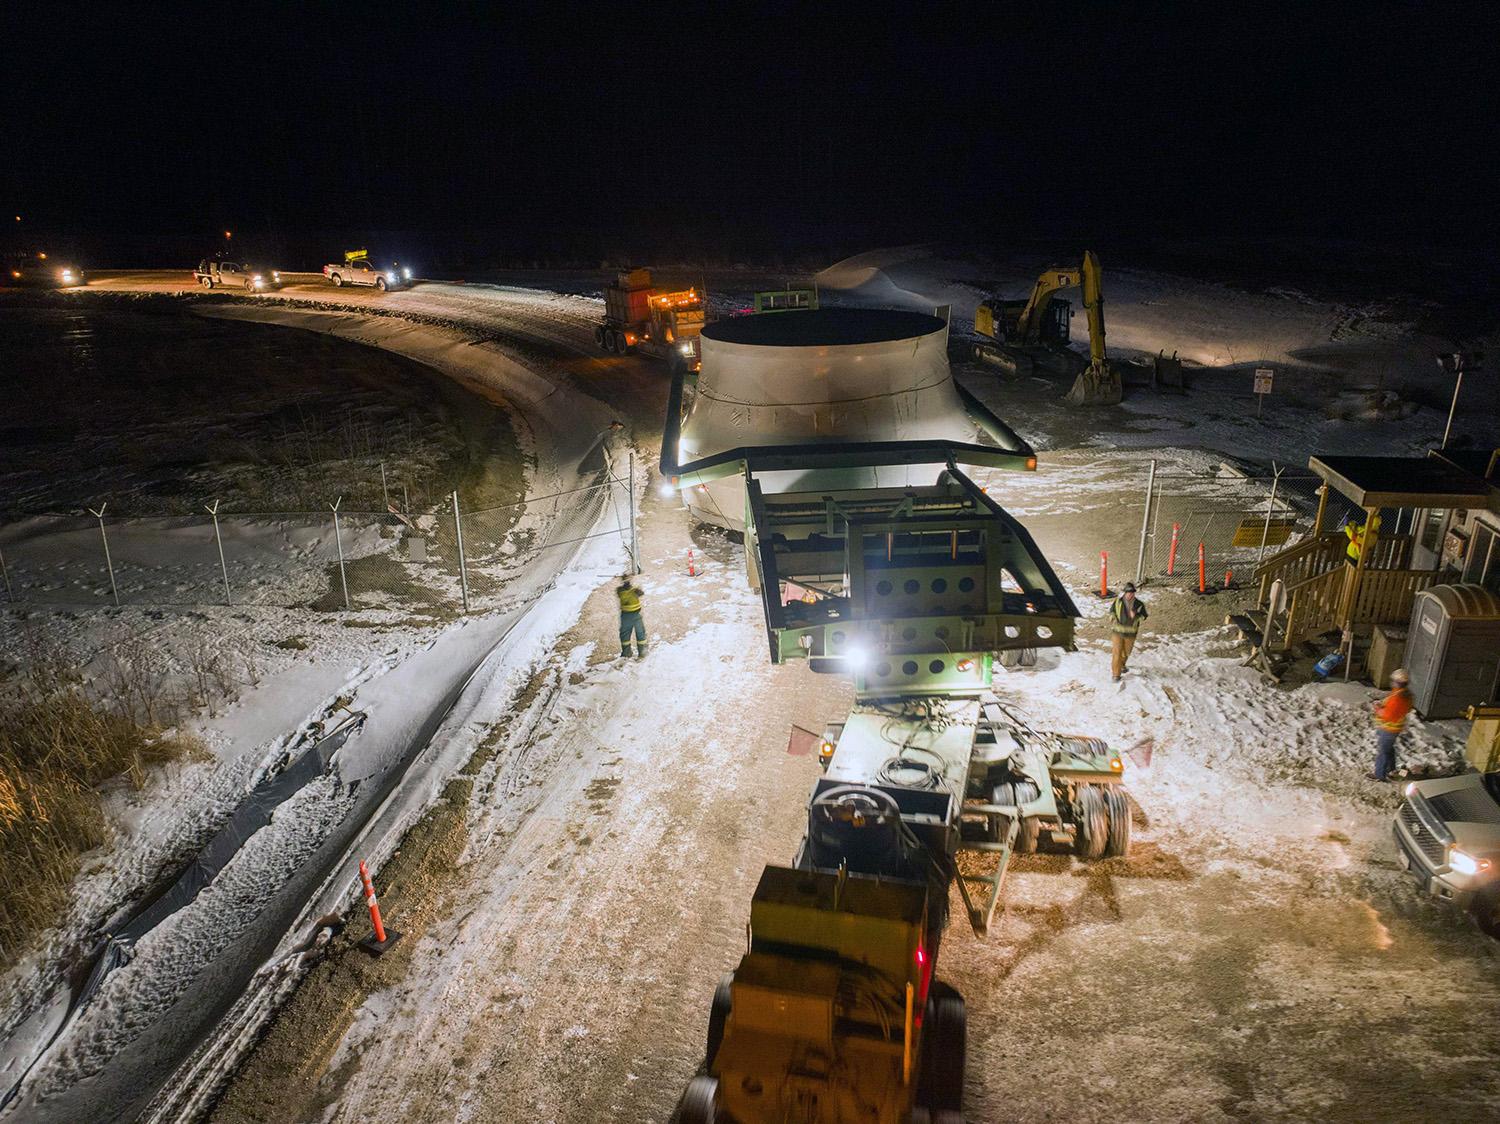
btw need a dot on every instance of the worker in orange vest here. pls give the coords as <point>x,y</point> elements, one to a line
<point>1390,720</point>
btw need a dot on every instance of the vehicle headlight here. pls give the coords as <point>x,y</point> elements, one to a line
<point>406,273</point>
<point>1465,863</point>
<point>1411,787</point>
<point>391,276</point>
<point>276,273</point>
<point>686,347</point>
<point>67,275</point>
<point>256,277</point>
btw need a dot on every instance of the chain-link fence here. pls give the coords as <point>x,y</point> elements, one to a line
<point>1233,518</point>
<point>441,560</point>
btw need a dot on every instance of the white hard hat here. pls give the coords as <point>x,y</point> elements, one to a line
<point>1400,675</point>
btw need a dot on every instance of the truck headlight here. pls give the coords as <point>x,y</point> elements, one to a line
<point>1466,863</point>
<point>406,273</point>
<point>391,276</point>
<point>686,347</point>
<point>67,276</point>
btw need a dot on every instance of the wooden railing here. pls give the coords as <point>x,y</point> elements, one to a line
<point>1314,604</point>
<point>1385,596</point>
<point>1315,556</point>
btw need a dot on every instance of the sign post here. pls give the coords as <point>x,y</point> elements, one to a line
<point>1263,377</point>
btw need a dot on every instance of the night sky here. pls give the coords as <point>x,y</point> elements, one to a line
<point>742,129</point>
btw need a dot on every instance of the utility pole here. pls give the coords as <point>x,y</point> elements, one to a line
<point>1456,363</point>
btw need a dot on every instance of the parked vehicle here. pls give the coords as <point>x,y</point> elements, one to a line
<point>32,267</point>
<point>1448,836</point>
<point>357,269</point>
<point>235,275</point>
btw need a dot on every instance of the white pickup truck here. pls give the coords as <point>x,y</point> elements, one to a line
<point>361,271</point>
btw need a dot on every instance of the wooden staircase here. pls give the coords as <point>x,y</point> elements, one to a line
<point>1316,580</point>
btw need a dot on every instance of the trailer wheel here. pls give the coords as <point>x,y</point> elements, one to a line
<point>1117,806</point>
<point>697,1103</point>
<point>718,1015</point>
<point>599,337</point>
<point>943,1044</point>
<point>1016,793</point>
<point>1093,822</point>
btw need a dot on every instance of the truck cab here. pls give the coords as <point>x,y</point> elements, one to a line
<point>1448,837</point>
<point>236,275</point>
<point>358,269</point>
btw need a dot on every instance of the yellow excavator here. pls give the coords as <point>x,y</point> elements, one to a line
<point>1043,320</point>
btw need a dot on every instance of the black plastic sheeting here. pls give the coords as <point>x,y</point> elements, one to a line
<point>252,814</point>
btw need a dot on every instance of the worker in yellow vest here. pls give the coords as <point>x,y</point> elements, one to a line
<point>631,623</point>
<point>1358,534</point>
<point>1125,617</point>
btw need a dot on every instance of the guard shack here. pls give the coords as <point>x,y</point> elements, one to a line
<point>1350,579</point>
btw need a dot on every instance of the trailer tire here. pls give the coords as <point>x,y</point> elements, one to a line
<point>718,1015</point>
<point>599,336</point>
<point>943,1046</point>
<point>1117,807</point>
<point>1093,822</point>
<point>697,1104</point>
<point>1016,793</point>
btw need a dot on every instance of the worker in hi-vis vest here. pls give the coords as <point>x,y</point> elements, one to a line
<point>1390,720</point>
<point>631,623</point>
<point>1358,535</point>
<point>1125,617</point>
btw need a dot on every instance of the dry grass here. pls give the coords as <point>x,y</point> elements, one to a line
<point>58,747</point>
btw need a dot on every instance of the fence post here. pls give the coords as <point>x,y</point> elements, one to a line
<point>4,573</point>
<point>1266,530</point>
<point>1140,561</point>
<point>108,562</point>
<point>635,558</point>
<point>218,539</point>
<point>338,542</point>
<point>384,487</point>
<point>463,570</point>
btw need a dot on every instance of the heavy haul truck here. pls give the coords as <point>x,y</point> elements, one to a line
<point>641,318</point>
<point>834,1013</point>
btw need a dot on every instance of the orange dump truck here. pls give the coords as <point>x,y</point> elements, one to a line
<point>638,317</point>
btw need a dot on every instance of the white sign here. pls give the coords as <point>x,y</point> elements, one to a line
<point>1263,376</point>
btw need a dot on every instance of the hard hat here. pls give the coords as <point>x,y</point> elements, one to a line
<point>1400,675</point>
<point>1130,587</point>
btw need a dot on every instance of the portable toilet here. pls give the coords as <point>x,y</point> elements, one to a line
<point>1453,649</point>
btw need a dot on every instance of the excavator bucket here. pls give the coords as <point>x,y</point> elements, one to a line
<point>1096,386</point>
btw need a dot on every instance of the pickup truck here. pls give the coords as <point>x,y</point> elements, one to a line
<point>361,272</point>
<point>1448,837</point>
<point>236,275</point>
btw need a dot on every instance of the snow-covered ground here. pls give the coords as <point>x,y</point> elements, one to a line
<point>124,1041</point>
<point>593,878</point>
